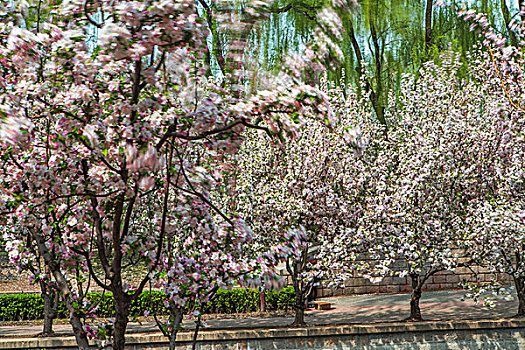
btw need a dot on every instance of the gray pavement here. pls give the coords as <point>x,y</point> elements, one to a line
<point>356,309</point>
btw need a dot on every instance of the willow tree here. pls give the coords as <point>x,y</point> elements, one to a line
<point>382,41</point>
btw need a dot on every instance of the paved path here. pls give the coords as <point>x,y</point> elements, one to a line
<point>442,305</point>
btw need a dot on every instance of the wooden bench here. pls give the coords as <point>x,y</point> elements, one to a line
<point>322,305</point>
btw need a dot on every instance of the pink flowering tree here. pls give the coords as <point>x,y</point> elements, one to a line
<point>200,264</point>
<point>30,260</point>
<point>100,140</point>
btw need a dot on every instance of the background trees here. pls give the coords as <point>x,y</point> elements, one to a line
<point>422,175</point>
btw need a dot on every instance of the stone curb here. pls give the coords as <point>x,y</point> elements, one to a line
<point>244,334</point>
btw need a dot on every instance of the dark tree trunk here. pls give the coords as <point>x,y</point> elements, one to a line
<point>50,307</point>
<point>374,97</point>
<point>195,333</point>
<point>521,4</point>
<point>76,324</point>
<point>507,17</point>
<point>377,97</point>
<point>415,311</point>
<point>295,270</point>
<point>299,304</point>
<point>216,39</point>
<point>428,26</point>
<point>177,316</point>
<point>519,282</point>
<point>122,303</point>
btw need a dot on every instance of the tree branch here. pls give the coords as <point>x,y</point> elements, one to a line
<point>88,17</point>
<point>171,133</point>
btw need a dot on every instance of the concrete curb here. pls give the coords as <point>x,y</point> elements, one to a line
<point>68,342</point>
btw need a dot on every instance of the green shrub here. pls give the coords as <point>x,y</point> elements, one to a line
<point>153,302</point>
<point>280,300</point>
<point>19,307</point>
<point>233,301</point>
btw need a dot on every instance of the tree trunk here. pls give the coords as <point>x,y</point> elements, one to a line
<point>374,98</point>
<point>195,333</point>
<point>177,320</point>
<point>50,307</point>
<point>415,311</point>
<point>521,5</point>
<point>507,17</point>
<point>299,304</point>
<point>122,303</point>
<point>428,26</point>
<point>215,37</point>
<point>519,282</point>
<point>262,301</point>
<point>63,288</point>
<point>78,328</point>
<point>378,102</point>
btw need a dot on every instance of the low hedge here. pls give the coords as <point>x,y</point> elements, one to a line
<point>18,307</point>
<point>14,307</point>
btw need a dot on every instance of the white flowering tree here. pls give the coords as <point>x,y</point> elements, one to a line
<point>494,232</point>
<point>303,192</point>
<point>430,165</point>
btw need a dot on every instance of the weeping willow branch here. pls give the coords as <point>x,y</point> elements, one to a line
<point>297,7</point>
<point>517,106</point>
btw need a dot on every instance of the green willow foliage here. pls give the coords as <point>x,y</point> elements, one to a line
<point>389,35</point>
<point>399,25</point>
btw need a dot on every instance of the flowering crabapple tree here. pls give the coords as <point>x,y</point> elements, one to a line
<point>195,275</point>
<point>495,229</point>
<point>97,141</point>
<point>426,170</point>
<point>207,253</point>
<point>32,261</point>
<point>300,192</point>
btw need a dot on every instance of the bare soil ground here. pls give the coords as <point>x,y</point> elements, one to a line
<point>13,281</point>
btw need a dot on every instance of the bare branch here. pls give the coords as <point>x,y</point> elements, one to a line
<point>171,133</point>
<point>200,195</point>
<point>98,224</point>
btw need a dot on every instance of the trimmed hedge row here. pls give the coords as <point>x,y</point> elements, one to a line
<point>17,307</point>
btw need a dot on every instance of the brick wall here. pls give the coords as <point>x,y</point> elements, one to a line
<point>440,281</point>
